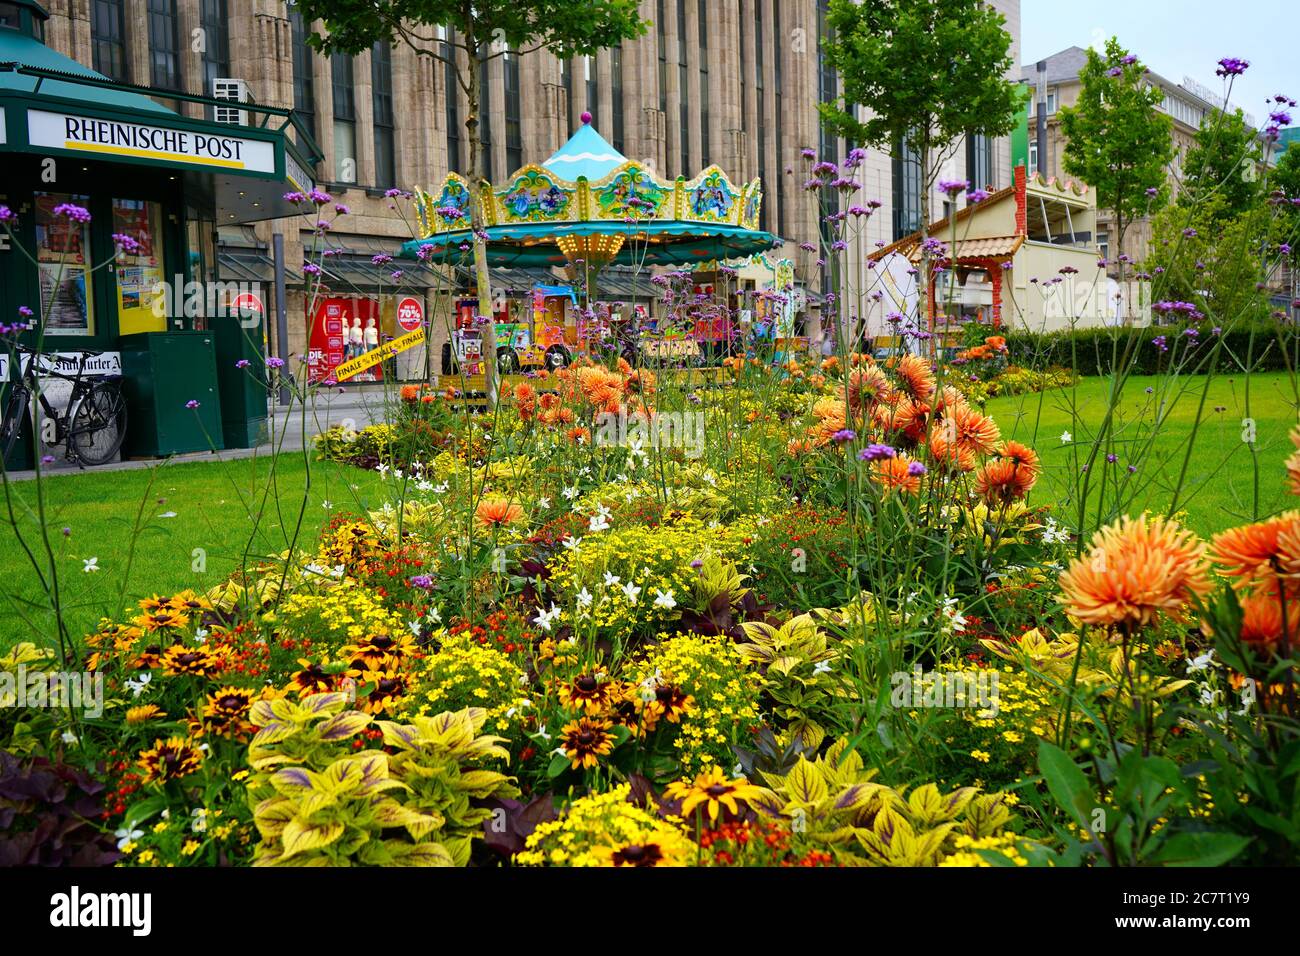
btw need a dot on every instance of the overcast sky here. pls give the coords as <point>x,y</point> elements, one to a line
<point>1178,38</point>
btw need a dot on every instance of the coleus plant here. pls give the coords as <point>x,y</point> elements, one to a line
<point>319,801</point>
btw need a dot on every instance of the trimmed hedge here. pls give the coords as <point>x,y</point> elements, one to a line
<point>1094,351</point>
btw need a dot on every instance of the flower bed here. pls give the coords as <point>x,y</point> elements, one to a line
<point>801,619</point>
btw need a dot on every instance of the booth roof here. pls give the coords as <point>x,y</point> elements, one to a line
<point>19,48</point>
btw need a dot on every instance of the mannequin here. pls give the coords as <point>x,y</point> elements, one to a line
<point>354,337</point>
<point>372,342</point>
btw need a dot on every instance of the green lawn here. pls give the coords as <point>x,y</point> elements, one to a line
<point>1225,484</point>
<point>195,522</point>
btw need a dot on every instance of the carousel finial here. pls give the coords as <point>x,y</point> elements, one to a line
<point>586,118</point>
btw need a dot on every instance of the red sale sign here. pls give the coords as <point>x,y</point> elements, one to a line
<point>410,314</point>
<point>247,301</point>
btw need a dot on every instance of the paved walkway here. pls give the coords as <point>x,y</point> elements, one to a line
<point>357,407</point>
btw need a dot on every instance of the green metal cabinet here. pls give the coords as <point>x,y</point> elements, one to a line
<point>243,390</point>
<point>161,373</point>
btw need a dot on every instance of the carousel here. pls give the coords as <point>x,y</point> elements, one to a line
<point>587,207</point>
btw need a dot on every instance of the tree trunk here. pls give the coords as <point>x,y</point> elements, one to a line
<point>477,220</point>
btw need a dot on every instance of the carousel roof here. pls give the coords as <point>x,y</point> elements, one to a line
<point>585,154</point>
<point>589,200</point>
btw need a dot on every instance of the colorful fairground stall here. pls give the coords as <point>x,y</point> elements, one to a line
<point>133,284</point>
<point>589,211</point>
<point>997,270</point>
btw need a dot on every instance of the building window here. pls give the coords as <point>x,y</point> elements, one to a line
<point>683,108</point>
<point>616,95</point>
<point>304,83</point>
<point>108,38</point>
<point>592,86</point>
<point>215,17</point>
<point>1051,102</point>
<point>1103,244</point>
<point>780,127</point>
<point>345,119</point>
<point>1033,158</point>
<point>514,124</point>
<point>164,45</point>
<point>702,18</point>
<point>660,21</point>
<point>907,191</point>
<point>827,92</point>
<point>485,114</point>
<point>381,86</point>
<point>762,113</point>
<point>451,97</point>
<point>979,161</point>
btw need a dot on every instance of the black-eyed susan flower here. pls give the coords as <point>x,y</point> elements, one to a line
<point>712,790</point>
<point>379,651</point>
<point>224,711</point>
<point>668,703</point>
<point>191,603</point>
<point>585,741</point>
<point>166,619</point>
<point>155,603</point>
<point>143,714</point>
<point>195,661</point>
<point>660,846</point>
<point>169,760</point>
<point>312,679</point>
<point>586,692</point>
<point>385,690</point>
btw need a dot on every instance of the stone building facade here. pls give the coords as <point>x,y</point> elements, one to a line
<point>731,82</point>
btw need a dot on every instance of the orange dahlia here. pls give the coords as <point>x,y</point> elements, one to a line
<point>496,513</point>
<point>893,474</point>
<point>1002,481</point>
<point>915,377</point>
<point>1135,570</point>
<point>972,430</point>
<point>1022,455</point>
<point>948,455</point>
<point>1293,463</point>
<point>1261,619</point>
<point>1258,552</point>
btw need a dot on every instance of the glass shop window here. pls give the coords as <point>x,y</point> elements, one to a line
<point>63,260</point>
<point>141,297</point>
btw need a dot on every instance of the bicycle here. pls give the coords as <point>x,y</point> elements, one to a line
<point>93,423</point>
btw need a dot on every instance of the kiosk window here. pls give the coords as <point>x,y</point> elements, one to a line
<point>62,256</point>
<point>140,278</point>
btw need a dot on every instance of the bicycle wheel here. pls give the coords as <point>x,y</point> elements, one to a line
<point>98,425</point>
<point>12,425</point>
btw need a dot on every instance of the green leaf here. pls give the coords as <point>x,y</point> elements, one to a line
<point>1067,783</point>
<point>559,763</point>
<point>1200,849</point>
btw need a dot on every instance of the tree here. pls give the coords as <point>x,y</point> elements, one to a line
<point>1116,139</point>
<point>485,29</point>
<point>933,71</point>
<point>1206,254</point>
<point>1224,160</point>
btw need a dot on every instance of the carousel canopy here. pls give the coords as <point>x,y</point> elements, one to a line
<point>588,206</point>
